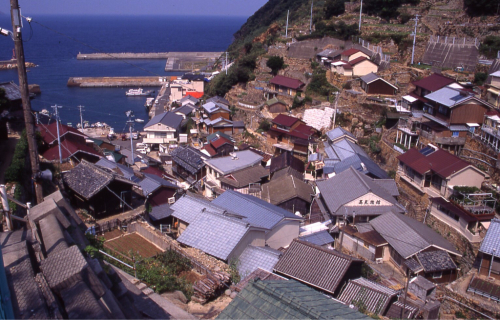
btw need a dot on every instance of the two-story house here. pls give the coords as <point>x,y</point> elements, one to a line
<point>359,67</point>
<point>449,114</point>
<point>218,145</point>
<point>215,110</point>
<point>351,54</point>
<point>493,92</point>
<point>162,129</point>
<point>436,172</point>
<point>291,134</point>
<point>286,85</point>
<point>416,99</point>
<point>490,130</point>
<point>178,88</point>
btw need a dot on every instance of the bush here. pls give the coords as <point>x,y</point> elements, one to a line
<point>480,78</point>
<point>319,84</point>
<point>490,46</point>
<point>264,125</point>
<point>275,63</point>
<point>333,8</point>
<point>386,9</point>
<point>17,168</point>
<point>481,7</point>
<point>405,17</point>
<point>340,30</point>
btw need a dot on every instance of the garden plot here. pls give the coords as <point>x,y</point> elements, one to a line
<point>133,243</point>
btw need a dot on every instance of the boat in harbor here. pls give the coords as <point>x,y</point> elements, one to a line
<point>139,120</point>
<point>149,102</point>
<point>138,92</point>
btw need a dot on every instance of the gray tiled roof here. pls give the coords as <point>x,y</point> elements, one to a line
<point>160,212</point>
<point>128,156</point>
<point>375,297</point>
<point>408,236</point>
<point>285,188</point>
<point>185,109</point>
<point>423,283</point>
<point>65,207</point>
<point>278,299</point>
<point>12,91</point>
<point>187,208</point>
<point>257,212</point>
<point>214,234</point>
<point>339,132</point>
<point>349,185</point>
<point>491,241</point>
<point>80,303</point>
<point>218,99</point>
<point>151,183</point>
<point>227,165</point>
<point>52,235</point>
<point>189,158</point>
<point>63,268</point>
<point>46,208</point>
<point>314,265</point>
<point>244,177</point>
<point>437,260</point>
<point>253,258</point>
<point>446,96</point>
<point>369,77</point>
<point>168,118</point>
<point>364,227</point>
<point>189,99</point>
<point>318,238</point>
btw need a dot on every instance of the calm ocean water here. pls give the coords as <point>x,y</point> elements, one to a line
<point>55,55</point>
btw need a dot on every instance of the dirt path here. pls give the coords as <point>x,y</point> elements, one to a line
<point>7,151</point>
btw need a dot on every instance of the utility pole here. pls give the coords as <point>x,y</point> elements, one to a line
<point>311,21</point>
<point>81,116</point>
<point>286,29</point>
<point>406,292</point>
<point>130,123</point>
<point>360,11</point>
<point>226,63</point>
<point>23,87</point>
<point>414,38</point>
<point>337,95</point>
<point>56,107</point>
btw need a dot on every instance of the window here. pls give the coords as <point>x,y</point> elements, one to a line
<point>437,275</point>
<point>448,212</point>
<point>443,110</point>
<point>455,133</point>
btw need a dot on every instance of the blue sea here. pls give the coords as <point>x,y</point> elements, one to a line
<point>53,42</point>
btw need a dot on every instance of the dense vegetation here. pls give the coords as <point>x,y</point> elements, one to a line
<point>339,30</point>
<point>16,172</point>
<point>275,63</point>
<point>490,46</point>
<point>333,8</point>
<point>481,7</point>
<point>386,9</point>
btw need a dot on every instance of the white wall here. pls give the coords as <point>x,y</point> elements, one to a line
<point>283,234</point>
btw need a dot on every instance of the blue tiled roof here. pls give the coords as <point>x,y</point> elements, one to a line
<point>214,234</point>
<point>151,183</point>
<point>257,212</point>
<point>318,238</point>
<point>188,208</point>
<point>160,212</point>
<point>253,258</point>
<point>491,242</point>
<point>168,118</point>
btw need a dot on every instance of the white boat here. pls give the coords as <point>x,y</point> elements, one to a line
<point>139,120</point>
<point>69,124</point>
<point>138,92</point>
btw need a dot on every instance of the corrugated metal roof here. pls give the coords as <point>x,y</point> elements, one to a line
<point>447,96</point>
<point>434,82</point>
<point>244,177</point>
<point>314,265</point>
<point>187,208</point>
<point>212,107</point>
<point>369,77</point>
<point>491,241</point>
<point>160,212</point>
<point>374,297</point>
<point>253,258</point>
<point>320,238</point>
<point>287,82</point>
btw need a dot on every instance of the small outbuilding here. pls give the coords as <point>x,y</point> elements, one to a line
<point>373,84</point>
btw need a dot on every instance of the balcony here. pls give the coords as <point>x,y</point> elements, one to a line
<point>491,131</point>
<point>452,141</point>
<point>159,140</point>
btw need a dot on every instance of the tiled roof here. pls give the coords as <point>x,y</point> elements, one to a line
<point>314,265</point>
<point>168,118</point>
<point>68,149</point>
<point>287,82</point>
<point>253,258</point>
<point>257,212</point>
<point>218,99</point>
<point>369,77</point>
<point>244,177</point>
<point>394,311</point>
<point>423,283</point>
<point>408,236</point>
<point>286,159</point>
<point>87,179</point>
<point>49,131</point>
<point>350,52</point>
<point>491,241</point>
<point>437,260</point>
<point>218,134</point>
<point>188,158</point>
<point>227,165</point>
<point>374,297</point>
<point>12,91</point>
<point>46,208</point>
<point>212,107</point>
<point>151,183</point>
<point>187,208</point>
<point>214,234</point>
<point>318,238</point>
<point>52,234</point>
<point>277,299</point>
<point>358,60</point>
<point>189,98</point>
<point>338,133</point>
<point>349,185</point>
<point>285,120</point>
<point>288,171</point>
<point>63,267</point>
<point>255,275</point>
<point>434,82</point>
<point>80,303</point>
<point>440,162</point>
<point>127,172</point>
<point>160,212</point>
<point>220,141</point>
<point>285,188</point>
<point>65,208</point>
<point>185,110</point>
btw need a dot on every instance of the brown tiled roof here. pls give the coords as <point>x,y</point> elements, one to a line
<point>49,132</point>
<point>372,237</point>
<point>219,142</point>
<point>287,82</point>
<point>284,160</point>
<point>285,120</point>
<point>245,176</point>
<point>80,303</point>
<point>314,265</point>
<point>286,188</point>
<point>434,82</point>
<point>349,52</point>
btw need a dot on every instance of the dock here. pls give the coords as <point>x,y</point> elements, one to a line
<point>152,55</point>
<point>107,82</point>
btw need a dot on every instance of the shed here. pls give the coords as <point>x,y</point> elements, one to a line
<point>373,84</point>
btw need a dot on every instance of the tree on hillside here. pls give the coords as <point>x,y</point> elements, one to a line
<point>490,46</point>
<point>481,7</point>
<point>275,63</point>
<point>333,8</point>
<point>386,9</point>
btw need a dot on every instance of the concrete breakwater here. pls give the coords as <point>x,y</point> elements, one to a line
<point>151,55</point>
<point>106,82</point>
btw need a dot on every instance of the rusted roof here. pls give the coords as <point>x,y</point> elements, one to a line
<point>287,187</point>
<point>287,82</point>
<point>445,164</point>
<point>68,149</point>
<point>349,52</point>
<point>220,141</point>
<point>415,160</point>
<point>374,296</point>
<point>49,132</point>
<point>314,265</point>
<point>433,82</point>
<point>285,120</point>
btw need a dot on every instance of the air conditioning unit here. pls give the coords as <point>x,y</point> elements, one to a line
<point>171,200</point>
<point>379,261</point>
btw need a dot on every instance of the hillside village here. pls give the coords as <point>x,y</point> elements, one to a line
<point>330,173</point>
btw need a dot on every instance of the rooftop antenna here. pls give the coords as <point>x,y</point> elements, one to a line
<point>130,123</point>
<point>360,11</point>
<point>56,107</point>
<point>414,37</point>
<point>286,29</point>
<point>311,21</point>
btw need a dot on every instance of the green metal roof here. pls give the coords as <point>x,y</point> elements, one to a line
<point>285,299</point>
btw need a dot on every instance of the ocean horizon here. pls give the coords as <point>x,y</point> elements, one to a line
<point>55,40</point>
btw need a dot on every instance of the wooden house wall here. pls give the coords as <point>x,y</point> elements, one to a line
<point>218,114</point>
<point>294,205</point>
<point>224,150</point>
<point>485,266</point>
<point>380,87</point>
<point>468,113</point>
<point>448,276</point>
<point>277,108</point>
<point>316,215</point>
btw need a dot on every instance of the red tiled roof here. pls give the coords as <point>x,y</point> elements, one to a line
<point>424,100</point>
<point>440,162</point>
<point>68,148</point>
<point>49,132</point>
<point>347,66</point>
<point>285,120</point>
<point>305,129</point>
<point>219,142</point>
<point>350,52</point>
<point>415,160</point>
<point>433,82</point>
<point>155,171</point>
<point>357,60</point>
<point>287,82</point>
<point>210,150</point>
<point>194,94</point>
